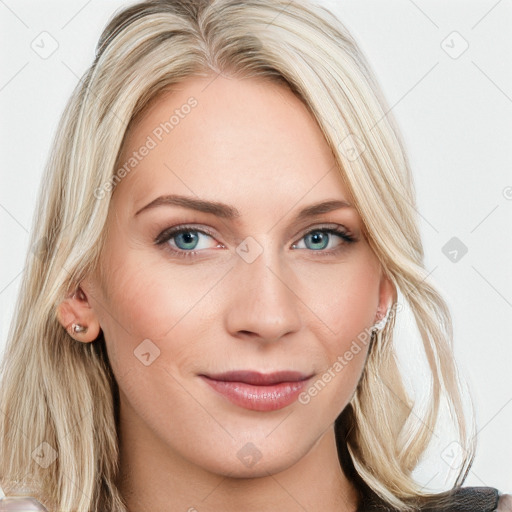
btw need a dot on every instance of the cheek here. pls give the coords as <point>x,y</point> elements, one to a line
<point>150,305</point>
<point>343,298</point>
<point>150,297</point>
<point>153,294</point>
<point>344,302</point>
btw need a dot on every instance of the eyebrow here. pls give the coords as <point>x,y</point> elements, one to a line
<point>226,211</point>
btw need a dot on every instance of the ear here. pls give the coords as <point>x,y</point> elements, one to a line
<point>387,296</point>
<point>76,310</point>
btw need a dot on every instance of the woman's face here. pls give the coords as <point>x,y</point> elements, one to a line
<point>250,285</point>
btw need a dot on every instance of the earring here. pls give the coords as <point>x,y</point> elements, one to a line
<point>79,329</point>
<point>381,323</point>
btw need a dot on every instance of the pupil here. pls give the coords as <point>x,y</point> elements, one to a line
<point>317,237</point>
<point>187,238</point>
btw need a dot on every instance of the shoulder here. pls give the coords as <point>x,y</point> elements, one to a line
<point>505,503</point>
<point>474,499</point>
<point>460,499</point>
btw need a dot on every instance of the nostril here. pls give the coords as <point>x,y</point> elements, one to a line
<point>247,333</point>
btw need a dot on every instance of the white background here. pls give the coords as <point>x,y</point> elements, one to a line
<point>455,115</point>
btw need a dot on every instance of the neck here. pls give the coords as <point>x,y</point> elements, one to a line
<point>153,477</point>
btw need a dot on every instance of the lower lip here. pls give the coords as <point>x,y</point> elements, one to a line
<point>258,398</point>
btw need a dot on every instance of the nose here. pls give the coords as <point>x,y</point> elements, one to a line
<point>264,305</point>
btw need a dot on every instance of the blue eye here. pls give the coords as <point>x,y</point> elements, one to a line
<point>186,240</point>
<point>189,239</point>
<point>320,238</point>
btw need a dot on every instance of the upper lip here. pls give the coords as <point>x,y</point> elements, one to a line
<point>258,378</point>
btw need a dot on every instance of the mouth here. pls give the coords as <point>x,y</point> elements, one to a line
<point>258,391</point>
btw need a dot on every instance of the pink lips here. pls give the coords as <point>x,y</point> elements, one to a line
<point>258,391</point>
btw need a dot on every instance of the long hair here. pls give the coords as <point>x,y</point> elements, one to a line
<point>59,398</point>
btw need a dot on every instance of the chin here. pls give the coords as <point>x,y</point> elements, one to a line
<point>254,458</point>
<point>267,465</point>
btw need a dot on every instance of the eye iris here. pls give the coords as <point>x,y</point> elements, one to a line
<point>189,237</point>
<point>318,237</point>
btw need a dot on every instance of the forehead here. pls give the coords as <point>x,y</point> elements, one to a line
<point>224,138</point>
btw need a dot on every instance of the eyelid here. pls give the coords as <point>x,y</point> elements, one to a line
<point>205,230</point>
<point>325,225</point>
<point>171,231</point>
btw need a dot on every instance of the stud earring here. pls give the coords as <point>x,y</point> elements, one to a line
<point>79,329</point>
<point>381,323</point>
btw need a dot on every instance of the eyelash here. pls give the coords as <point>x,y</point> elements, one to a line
<point>169,233</point>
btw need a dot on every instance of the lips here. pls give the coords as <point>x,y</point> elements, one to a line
<point>258,391</point>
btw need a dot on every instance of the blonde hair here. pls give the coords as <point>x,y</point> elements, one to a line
<point>58,391</point>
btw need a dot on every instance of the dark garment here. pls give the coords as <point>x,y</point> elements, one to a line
<point>461,499</point>
<point>464,499</point>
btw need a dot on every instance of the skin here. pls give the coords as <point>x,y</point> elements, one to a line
<point>251,144</point>
<point>505,503</point>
